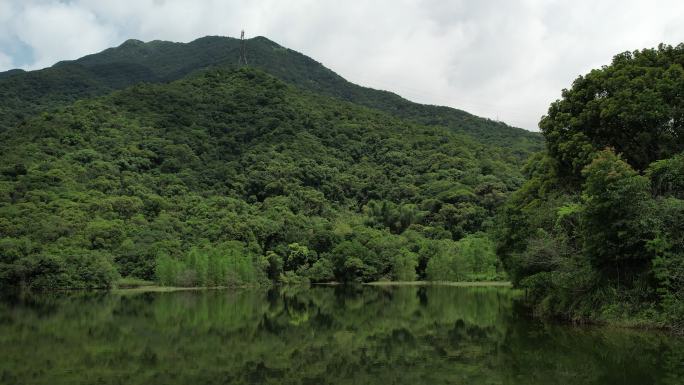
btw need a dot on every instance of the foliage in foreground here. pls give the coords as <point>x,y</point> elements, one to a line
<point>597,232</point>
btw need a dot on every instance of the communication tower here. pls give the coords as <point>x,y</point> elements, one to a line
<point>243,54</point>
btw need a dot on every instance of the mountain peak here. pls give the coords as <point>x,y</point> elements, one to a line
<point>131,43</point>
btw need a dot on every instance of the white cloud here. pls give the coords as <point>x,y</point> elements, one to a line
<point>60,31</point>
<point>507,59</point>
<point>5,62</point>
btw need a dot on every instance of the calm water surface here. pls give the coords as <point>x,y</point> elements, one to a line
<point>323,335</point>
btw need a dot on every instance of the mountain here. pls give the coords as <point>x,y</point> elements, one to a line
<point>165,161</point>
<point>22,94</point>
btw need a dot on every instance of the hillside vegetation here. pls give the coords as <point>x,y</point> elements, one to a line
<point>233,177</point>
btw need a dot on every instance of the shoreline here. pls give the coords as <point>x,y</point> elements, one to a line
<point>165,289</point>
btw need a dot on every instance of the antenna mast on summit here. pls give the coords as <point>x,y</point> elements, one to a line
<point>243,54</point>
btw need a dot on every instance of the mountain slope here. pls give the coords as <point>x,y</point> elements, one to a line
<point>23,94</point>
<point>233,176</point>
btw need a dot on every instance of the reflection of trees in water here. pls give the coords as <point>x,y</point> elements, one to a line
<point>339,335</point>
<point>538,353</point>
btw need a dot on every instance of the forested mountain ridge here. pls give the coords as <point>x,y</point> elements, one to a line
<point>235,177</point>
<point>22,94</point>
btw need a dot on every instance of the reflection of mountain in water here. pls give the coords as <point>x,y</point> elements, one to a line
<point>327,335</point>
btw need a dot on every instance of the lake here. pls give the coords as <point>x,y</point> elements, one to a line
<point>323,335</point>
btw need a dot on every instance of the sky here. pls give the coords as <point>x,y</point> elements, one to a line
<point>505,60</point>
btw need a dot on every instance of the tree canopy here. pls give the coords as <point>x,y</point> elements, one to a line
<point>596,231</point>
<point>635,106</point>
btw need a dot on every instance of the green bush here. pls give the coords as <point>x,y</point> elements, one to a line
<point>226,264</point>
<point>404,266</point>
<point>470,259</point>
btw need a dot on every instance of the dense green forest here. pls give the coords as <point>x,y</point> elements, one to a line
<point>597,232</point>
<point>234,177</point>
